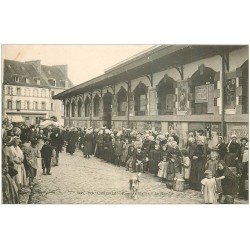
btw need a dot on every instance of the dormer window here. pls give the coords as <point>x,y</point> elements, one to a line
<point>16,78</point>
<point>52,82</point>
<point>37,81</point>
<point>26,80</point>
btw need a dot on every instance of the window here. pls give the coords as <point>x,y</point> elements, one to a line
<point>73,109</point>
<point>18,105</point>
<point>16,78</point>
<point>43,93</point>
<point>166,96</point>
<point>37,81</point>
<point>9,90</point>
<point>37,120</point>
<point>35,105</point>
<point>26,80</point>
<point>215,102</point>
<point>68,109</point>
<point>43,106</point>
<point>122,102</point>
<point>52,82</point>
<point>52,93</point>
<point>35,93</point>
<point>87,107</point>
<point>28,105</point>
<point>79,108</point>
<point>52,106</point>
<point>18,91</point>
<point>199,81</point>
<point>96,105</point>
<point>9,104</point>
<point>140,96</point>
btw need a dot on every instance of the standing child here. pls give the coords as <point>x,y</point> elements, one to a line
<point>130,161</point>
<point>162,173</point>
<point>32,153</point>
<point>46,154</point>
<point>186,165</point>
<point>212,162</point>
<point>208,188</point>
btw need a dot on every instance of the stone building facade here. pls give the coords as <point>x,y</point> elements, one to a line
<point>28,88</point>
<point>170,87</point>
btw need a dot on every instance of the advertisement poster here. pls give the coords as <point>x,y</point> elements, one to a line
<point>230,90</point>
<point>183,96</point>
<point>201,94</point>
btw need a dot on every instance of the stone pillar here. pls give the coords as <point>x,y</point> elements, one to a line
<point>114,106</point>
<point>132,104</point>
<point>152,102</point>
<point>101,108</point>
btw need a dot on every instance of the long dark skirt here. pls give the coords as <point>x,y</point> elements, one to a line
<point>197,173</point>
<point>71,147</point>
<point>9,191</point>
<point>98,152</point>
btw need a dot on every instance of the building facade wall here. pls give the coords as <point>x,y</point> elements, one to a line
<point>24,94</point>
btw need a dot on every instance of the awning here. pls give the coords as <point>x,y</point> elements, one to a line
<point>16,118</point>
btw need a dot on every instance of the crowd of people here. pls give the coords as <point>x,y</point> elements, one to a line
<point>217,172</point>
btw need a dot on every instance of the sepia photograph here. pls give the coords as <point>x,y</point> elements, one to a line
<point>125,124</point>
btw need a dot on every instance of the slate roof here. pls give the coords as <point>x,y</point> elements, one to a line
<point>54,72</point>
<point>22,70</point>
<point>32,72</point>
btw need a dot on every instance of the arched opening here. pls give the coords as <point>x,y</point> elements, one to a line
<point>96,105</point>
<point>121,102</point>
<point>166,96</point>
<point>243,81</point>
<point>140,98</point>
<point>107,109</point>
<point>87,107</point>
<point>79,108</point>
<point>73,106</point>
<point>202,77</point>
<point>67,109</point>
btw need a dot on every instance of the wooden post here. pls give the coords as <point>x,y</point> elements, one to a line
<point>223,83</point>
<point>128,101</point>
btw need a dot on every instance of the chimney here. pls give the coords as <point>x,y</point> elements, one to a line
<point>63,68</point>
<point>36,64</point>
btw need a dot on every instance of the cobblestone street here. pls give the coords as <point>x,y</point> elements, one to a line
<point>91,181</point>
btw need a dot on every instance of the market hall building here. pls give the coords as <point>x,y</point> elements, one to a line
<point>168,87</point>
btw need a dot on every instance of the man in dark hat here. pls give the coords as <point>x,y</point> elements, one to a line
<point>56,143</point>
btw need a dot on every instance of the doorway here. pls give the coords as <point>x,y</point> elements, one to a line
<point>107,109</point>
